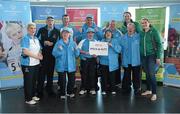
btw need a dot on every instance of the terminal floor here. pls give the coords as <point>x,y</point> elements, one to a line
<point>12,101</point>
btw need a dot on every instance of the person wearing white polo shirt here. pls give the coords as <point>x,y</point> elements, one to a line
<point>30,61</point>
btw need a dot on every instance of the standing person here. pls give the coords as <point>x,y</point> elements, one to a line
<point>65,52</point>
<point>65,23</point>
<point>131,59</point>
<point>151,50</point>
<point>48,35</point>
<point>89,23</point>
<point>88,65</point>
<point>109,64</point>
<point>97,35</point>
<point>128,19</point>
<point>30,61</point>
<point>73,33</point>
<point>117,34</point>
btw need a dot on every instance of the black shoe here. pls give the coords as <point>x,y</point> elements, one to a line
<point>40,95</point>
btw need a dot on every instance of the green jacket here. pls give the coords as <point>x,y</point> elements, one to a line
<point>123,29</point>
<point>150,43</point>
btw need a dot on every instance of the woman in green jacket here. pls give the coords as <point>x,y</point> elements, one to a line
<point>150,50</point>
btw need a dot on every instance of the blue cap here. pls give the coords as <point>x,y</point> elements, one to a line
<point>90,16</point>
<point>66,29</point>
<point>90,30</point>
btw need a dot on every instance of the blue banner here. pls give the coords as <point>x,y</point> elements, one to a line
<point>40,13</point>
<point>13,20</point>
<point>112,12</point>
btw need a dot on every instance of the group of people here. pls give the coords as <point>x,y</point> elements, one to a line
<point>131,47</point>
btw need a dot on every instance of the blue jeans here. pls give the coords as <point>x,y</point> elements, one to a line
<point>148,63</point>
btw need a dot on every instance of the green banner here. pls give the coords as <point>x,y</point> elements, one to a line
<point>156,16</point>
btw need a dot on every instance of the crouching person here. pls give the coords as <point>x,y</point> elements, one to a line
<point>65,53</point>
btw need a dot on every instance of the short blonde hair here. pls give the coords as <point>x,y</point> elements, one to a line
<point>11,27</point>
<point>31,24</point>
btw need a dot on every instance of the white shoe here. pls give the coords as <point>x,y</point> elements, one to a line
<point>31,102</point>
<point>36,98</point>
<point>63,97</point>
<point>82,92</point>
<point>93,92</point>
<point>154,97</point>
<point>113,93</point>
<point>103,93</point>
<point>71,95</point>
<point>119,85</point>
<point>146,93</point>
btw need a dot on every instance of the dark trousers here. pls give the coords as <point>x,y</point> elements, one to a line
<point>148,63</point>
<point>30,74</point>
<point>88,76</point>
<point>134,73</point>
<point>107,78</point>
<point>46,72</point>
<point>82,66</point>
<point>118,72</point>
<point>70,83</point>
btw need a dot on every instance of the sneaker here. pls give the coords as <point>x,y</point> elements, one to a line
<point>103,93</point>
<point>71,95</point>
<point>82,92</point>
<point>154,97</point>
<point>119,85</point>
<point>36,98</point>
<point>31,102</point>
<point>113,93</point>
<point>63,97</point>
<point>93,92</point>
<point>58,88</point>
<point>146,93</point>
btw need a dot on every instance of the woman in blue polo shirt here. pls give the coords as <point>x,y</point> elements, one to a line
<point>109,63</point>
<point>65,52</point>
<point>30,60</point>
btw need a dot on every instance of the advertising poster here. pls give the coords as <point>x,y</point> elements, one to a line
<point>13,20</point>
<point>172,69</point>
<point>78,16</point>
<point>113,11</point>
<point>156,16</point>
<point>40,13</point>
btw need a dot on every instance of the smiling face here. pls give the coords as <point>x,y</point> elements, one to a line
<point>145,24</point>
<point>90,35</point>
<point>127,17</point>
<point>14,32</point>
<point>89,21</point>
<point>108,34</point>
<point>65,35</point>
<point>65,20</point>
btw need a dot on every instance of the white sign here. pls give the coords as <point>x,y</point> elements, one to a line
<point>98,48</point>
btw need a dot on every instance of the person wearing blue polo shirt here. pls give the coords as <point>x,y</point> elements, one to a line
<point>65,52</point>
<point>88,64</point>
<point>109,64</point>
<point>30,61</point>
<point>131,59</point>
